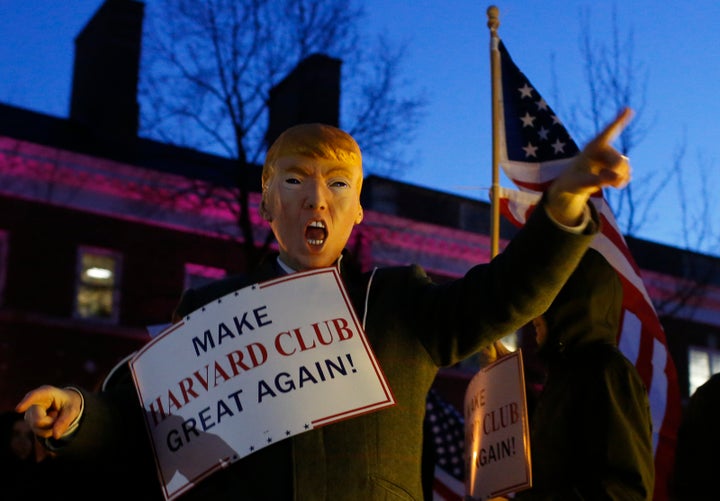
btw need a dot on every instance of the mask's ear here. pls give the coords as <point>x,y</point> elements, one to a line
<point>359,217</point>
<point>264,212</point>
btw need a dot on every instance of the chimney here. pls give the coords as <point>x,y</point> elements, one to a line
<point>310,93</point>
<point>105,73</point>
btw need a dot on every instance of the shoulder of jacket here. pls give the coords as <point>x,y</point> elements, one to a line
<point>195,298</point>
<point>400,272</point>
<point>119,373</point>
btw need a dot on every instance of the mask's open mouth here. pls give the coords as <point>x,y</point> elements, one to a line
<point>316,233</point>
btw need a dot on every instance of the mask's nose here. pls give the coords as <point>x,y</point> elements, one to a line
<point>315,197</point>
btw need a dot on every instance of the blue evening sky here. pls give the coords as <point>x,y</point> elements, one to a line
<point>677,43</point>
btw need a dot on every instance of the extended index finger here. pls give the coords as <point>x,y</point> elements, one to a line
<point>39,396</point>
<point>615,127</point>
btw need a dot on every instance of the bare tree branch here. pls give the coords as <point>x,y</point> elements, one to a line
<point>208,68</point>
<point>616,80</point>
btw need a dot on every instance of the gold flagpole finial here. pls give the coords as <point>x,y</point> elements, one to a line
<point>493,15</point>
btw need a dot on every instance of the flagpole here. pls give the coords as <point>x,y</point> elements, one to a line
<point>493,15</point>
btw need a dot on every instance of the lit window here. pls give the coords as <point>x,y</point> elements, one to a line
<point>97,284</point>
<point>197,275</point>
<point>3,263</point>
<point>703,362</point>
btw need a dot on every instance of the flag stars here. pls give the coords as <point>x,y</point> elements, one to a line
<point>543,133</point>
<point>558,146</point>
<point>527,120</point>
<point>542,105</point>
<point>530,150</point>
<point>525,91</point>
<point>556,120</point>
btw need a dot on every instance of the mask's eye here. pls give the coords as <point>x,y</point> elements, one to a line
<point>292,180</point>
<point>339,184</point>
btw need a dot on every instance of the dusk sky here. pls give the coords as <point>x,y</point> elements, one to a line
<point>676,43</point>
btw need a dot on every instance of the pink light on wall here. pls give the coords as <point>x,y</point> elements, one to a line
<point>391,240</point>
<point>71,174</point>
<point>57,177</point>
<point>47,175</point>
<point>684,298</point>
<point>129,192</point>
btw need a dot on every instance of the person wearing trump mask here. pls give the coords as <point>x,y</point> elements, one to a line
<point>311,183</point>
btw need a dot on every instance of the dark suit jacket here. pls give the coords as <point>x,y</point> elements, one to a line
<point>414,327</point>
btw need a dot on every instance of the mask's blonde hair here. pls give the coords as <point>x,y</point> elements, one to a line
<point>312,141</point>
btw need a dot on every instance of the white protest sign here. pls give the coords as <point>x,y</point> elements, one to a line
<point>254,367</point>
<point>497,437</point>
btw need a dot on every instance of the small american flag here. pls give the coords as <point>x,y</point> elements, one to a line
<point>446,432</point>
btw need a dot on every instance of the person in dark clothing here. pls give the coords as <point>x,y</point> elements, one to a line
<point>311,198</point>
<point>697,456</point>
<point>591,430</point>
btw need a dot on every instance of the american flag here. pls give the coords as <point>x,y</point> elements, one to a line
<point>445,429</point>
<point>536,148</point>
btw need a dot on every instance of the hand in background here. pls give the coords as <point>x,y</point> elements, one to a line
<point>491,353</point>
<point>50,411</point>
